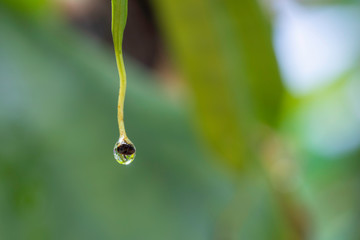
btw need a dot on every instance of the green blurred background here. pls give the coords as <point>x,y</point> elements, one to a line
<point>245,115</point>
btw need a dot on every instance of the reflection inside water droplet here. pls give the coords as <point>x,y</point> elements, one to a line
<point>124,151</point>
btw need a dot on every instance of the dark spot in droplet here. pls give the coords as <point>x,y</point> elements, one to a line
<point>125,149</point>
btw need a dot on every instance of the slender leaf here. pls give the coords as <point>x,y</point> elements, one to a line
<point>224,50</point>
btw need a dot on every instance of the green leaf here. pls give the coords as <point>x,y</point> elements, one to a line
<point>225,51</point>
<point>119,17</point>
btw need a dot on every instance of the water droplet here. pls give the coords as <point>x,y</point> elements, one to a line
<point>124,151</point>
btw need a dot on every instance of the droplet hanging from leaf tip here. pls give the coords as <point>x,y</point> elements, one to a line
<point>124,151</point>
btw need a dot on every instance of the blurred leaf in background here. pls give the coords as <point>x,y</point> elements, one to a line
<point>224,49</point>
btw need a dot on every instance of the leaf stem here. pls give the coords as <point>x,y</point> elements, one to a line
<point>119,17</point>
<point>122,90</point>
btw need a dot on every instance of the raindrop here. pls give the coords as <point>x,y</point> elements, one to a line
<point>124,151</point>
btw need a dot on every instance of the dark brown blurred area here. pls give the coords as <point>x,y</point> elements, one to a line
<point>141,38</point>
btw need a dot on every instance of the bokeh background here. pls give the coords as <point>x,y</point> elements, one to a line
<point>245,115</point>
